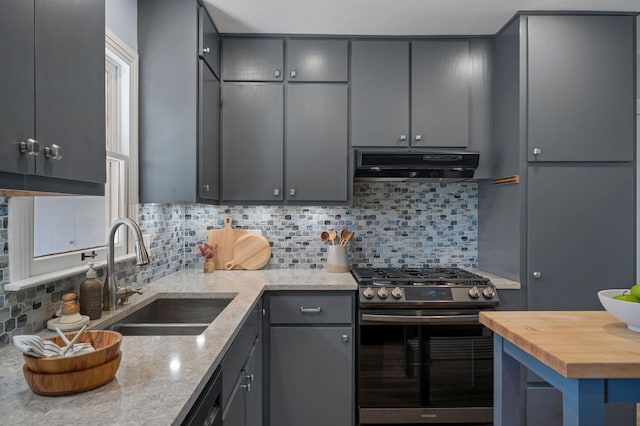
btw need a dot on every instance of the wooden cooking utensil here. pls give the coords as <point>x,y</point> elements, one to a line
<point>251,251</point>
<point>225,238</point>
<point>324,235</point>
<point>345,237</point>
<point>332,237</point>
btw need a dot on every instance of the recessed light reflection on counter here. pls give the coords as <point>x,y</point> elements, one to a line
<point>175,365</point>
<point>200,340</point>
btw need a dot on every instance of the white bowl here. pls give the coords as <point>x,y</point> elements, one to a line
<point>627,312</point>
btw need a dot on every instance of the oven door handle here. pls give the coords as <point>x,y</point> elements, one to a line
<point>421,319</point>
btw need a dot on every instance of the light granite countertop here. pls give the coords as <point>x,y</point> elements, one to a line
<point>159,376</point>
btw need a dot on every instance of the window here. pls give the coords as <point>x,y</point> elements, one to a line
<point>62,228</point>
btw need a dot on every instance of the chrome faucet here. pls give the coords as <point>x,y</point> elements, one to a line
<point>110,289</point>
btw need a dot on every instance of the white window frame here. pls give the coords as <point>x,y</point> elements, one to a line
<point>22,271</point>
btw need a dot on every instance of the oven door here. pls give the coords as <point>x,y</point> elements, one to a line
<point>424,367</point>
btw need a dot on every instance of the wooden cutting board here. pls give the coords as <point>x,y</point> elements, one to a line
<point>251,252</point>
<point>225,238</point>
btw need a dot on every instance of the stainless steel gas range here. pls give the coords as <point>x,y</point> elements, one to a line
<point>423,356</point>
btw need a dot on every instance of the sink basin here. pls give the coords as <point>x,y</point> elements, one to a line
<point>171,317</point>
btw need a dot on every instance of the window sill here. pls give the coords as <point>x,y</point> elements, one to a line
<point>58,275</point>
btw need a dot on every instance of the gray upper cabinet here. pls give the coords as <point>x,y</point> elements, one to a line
<point>379,93</point>
<point>178,111</point>
<point>252,141</point>
<point>582,212</point>
<point>208,134</point>
<point>317,60</point>
<point>208,41</point>
<point>581,88</point>
<point>440,93</point>
<point>316,148</point>
<point>53,94</point>
<point>433,83</point>
<point>252,59</point>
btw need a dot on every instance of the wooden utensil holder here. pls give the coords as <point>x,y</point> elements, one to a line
<point>209,265</point>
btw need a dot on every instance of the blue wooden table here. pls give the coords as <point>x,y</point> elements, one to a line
<point>588,356</point>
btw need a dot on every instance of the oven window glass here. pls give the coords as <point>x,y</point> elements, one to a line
<point>420,366</point>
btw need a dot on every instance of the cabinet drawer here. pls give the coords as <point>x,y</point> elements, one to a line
<point>237,354</point>
<point>311,309</point>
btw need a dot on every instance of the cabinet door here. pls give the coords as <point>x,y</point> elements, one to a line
<point>580,235</point>
<point>253,372</point>
<point>208,134</point>
<point>318,60</point>
<point>252,141</point>
<point>311,376</point>
<point>440,93</point>
<point>316,147</point>
<point>580,88</point>
<point>379,93</point>
<point>250,59</point>
<point>208,41</point>
<point>16,85</point>
<point>70,92</point>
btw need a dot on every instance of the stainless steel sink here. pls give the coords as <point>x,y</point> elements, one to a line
<point>171,316</point>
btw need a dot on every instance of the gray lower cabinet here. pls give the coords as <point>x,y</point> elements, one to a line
<point>317,60</point>
<point>52,110</point>
<point>242,375</point>
<point>578,216</point>
<point>252,59</point>
<point>311,362</point>
<point>316,147</point>
<point>176,123</point>
<point>593,70</point>
<point>252,142</point>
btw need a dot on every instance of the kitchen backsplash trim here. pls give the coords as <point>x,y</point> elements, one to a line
<point>411,224</point>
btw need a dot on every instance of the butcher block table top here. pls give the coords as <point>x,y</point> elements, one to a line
<point>576,344</point>
<point>589,356</point>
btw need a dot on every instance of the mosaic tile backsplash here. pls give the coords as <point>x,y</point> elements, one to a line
<point>395,224</point>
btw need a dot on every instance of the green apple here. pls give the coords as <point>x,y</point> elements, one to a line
<point>635,291</point>
<point>627,298</point>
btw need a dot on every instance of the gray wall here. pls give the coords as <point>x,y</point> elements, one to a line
<point>122,19</point>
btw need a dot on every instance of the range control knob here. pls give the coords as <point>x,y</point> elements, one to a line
<point>383,293</point>
<point>488,292</point>
<point>397,293</point>
<point>368,293</point>
<point>474,293</point>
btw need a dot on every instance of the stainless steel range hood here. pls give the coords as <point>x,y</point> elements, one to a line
<point>440,166</point>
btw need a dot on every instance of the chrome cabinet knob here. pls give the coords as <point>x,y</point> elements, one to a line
<point>474,293</point>
<point>250,377</point>
<point>537,275</point>
<point>276,191</point>
<point>206,50</point>
<point>488,292</point>
<point>418,137</point>
<point>53,152</point>
<point>293,74</point>
<point>345,338</point>
<point>246,387</point>
<point>292,192</point>
<point>276,73</point>
<point>403,137</point>
<point>205,188</point>
<point>29,147</point>
<point>537,151</point>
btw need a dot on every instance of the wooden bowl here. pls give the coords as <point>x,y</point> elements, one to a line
<point>106,343</point>
<point>74,381</point>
